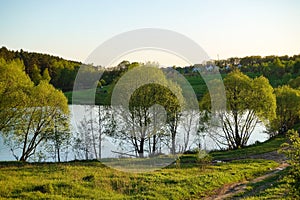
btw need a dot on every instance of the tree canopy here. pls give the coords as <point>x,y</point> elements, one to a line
<point>15,87</point>
<point>288,108</point>
<point>27,111</point>
<point>248,102</point>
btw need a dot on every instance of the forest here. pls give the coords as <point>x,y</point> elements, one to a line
<point>34,117</point>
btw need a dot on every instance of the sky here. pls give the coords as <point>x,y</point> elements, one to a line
<point>72,29</point>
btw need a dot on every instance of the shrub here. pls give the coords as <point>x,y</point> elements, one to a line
<point>292,150</point>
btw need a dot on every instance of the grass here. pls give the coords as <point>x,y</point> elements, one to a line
<point>92,180</point>
<point>259,148</point>
<point>102,95</point>
<point>185,178</point>
<point>274,187</point>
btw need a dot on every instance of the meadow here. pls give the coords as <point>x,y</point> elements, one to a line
<point>187,178</point>
<point>92,180</point>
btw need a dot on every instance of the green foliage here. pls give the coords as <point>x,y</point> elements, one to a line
<point>38,118</point>
<point>248,101</point>
<point>27,112</point>
<point>35,74</point>
<point>61,72</point>
<point>288,108</point>
<point>244,93</point>
<point>46,75</point>
<point>294,83</point>
<point>15,87</point>
<point>292,150</point>
<point>149,94</point>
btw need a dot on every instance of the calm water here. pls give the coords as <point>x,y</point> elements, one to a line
<point>78,112</point>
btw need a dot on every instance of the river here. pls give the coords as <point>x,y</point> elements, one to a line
<point>109,145</point>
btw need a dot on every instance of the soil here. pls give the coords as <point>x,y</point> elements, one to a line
<point>230,190</point>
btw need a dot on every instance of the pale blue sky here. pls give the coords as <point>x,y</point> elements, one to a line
<point>73,29</point>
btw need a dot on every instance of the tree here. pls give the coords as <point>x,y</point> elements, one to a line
<point>146,118</point>
<point>292,151</point>
<point>190,124</point>
<point>153,106</point>
<point>295,83</point>
<point>288,108</point>
<point>35,75</point>
<point>83,141</point>
<point>15,87</point>
<point>37,123</point>
<point>96,123</point>
<point>248,102</point>
<point>60,139</point>
<point>46,75</point>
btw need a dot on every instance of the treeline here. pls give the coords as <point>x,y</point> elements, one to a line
<point>280,70</point>
<point>60,72</point>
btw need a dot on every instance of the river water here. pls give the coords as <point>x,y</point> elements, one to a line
<point>110,145</point>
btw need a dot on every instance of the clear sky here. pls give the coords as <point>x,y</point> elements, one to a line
<point>73,29</point>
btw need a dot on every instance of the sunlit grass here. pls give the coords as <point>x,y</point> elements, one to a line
<point>270,145</point>
<point>92,180</point>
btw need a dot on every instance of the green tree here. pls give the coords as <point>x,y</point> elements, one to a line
<point>288,108</point>
<point>292,151</point>
<point>15,87</point>
<point>37,123</point>
<point>59,140</point>
<point>248,102</point>
<point>141,102</point>
<point>36,74</point>
<point>153,107</point>
<point>295,83</point>
<point>46,75</point>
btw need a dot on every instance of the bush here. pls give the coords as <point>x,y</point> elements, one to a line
<point>292,150</point>
<point>203,158</point>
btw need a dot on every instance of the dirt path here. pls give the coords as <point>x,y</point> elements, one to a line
<point>230,190</point>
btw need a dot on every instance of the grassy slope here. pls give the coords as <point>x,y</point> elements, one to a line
<point>274,187</point>
<point>91,180</point>
<point>268,146</point>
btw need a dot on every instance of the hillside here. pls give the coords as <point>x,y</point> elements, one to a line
<point>279,70</point>
<point>189,178</point>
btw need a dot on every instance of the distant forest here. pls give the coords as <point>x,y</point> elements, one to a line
<point>280,70</point>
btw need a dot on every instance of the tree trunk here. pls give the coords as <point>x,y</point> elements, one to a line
<point>93,134</point>
<point>141,149</point>
<point>154,145</point>
<point>173,148</point>
<point>100,133</point>
<point>236,129</point>
<point>58,154</point>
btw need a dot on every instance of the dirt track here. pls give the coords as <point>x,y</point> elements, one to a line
<point>230,190</point>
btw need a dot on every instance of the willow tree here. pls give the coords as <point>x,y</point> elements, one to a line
<point>148,117</point>
<point>15,86</point>
<point>41,114</point>
<point>146,103</point>
<point>288,108</point>
<point>248,101</point>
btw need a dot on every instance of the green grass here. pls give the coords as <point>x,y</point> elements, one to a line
<point>92,180</point>
<point>102,95</point>
<point>277,188</point>
<point>270,145</point>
